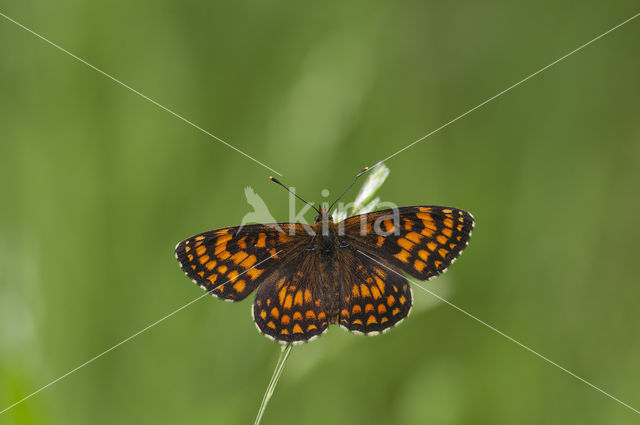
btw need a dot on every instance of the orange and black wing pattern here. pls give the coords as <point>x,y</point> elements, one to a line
<point>231,262</point>
<point>290,306</point>
<point>373,298</point>
<point>422,241</point>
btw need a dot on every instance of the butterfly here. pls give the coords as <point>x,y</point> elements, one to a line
<point>311,276</point>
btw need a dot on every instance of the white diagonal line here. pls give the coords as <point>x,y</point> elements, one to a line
<point>506,336</point>
<point>91,360</point>
<point>513,86</point>
<point>138,93</point>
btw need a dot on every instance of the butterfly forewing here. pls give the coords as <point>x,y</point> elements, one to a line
<point>229,263</point>
<point>422,241</point>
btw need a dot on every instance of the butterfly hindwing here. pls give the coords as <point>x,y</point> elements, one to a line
<point>231,262</point>
<point>290,305</point>
<point>422,241</point>
<point>373,298</point>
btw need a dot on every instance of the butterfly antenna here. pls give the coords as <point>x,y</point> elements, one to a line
<point>364,170</point>
<point>275,180</point>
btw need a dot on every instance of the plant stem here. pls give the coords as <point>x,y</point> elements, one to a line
<point>284,353</point>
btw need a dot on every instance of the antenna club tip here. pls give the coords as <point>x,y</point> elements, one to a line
<point>270,177</point>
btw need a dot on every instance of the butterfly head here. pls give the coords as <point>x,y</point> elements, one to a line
<point>323,215</point>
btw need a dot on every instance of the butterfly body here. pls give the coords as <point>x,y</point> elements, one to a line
<point>349,273</point>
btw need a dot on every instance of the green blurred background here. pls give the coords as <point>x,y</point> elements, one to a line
<point>97,186</point>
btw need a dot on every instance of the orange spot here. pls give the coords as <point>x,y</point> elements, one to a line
<point>249,261</point>
<point>224,255</point>
<point>447,232</point>
<point>284,332</point>
<point>380,241</point>
<point>382,309</point>
<point>368,308</point>
<point>458,237</point>
<point>193,267</point>
<point>282,294</point>
<point>388,224</point>
<point>406,244</point>
<point>380,283</point>
<point>210,265</point>
<point>441,239</point>
<point>311,327</point>
<point>239,286</point>
<point>285,320</point>
<point>419,265</point>
<point>414,237</point>
<point>395,311</point>
<point>424,216</point>
<point>272,252</point>
<point>402,299</point>
<point>403,256</point>
<point>423,254</point>
<point>297,316</point>
<point>424,209</point>
<point>408,225</point>
<point>321,315</point>
<point>241,243</point>
<point>223,239</point>
<point>204,259</point>
<point>375,292</point>
<point>298,298</point>
<point>448,222</point>
<point>356,309</point>
<point>384,319</point>
<point>275,313</point>
<point>263,314</point>
<point>239,256</point>
<point>262,239</point>
<point>437,264</point>
<point>372,319</point>
<point>199,238</point>
<point>219,249</point>
<point>201,273</point>
<point>271,325</point>
<point>452,245</point>
<point>310,314</point>
<point>233,275</point>
<point>443,252</point>
<point>268,301</point>
<point>432,246</point>
<point>430,225</point>
<point>254,273</point>
<point>460,226</point>
<point>288,301</point>
<point>447,211</point>
<point>187,248</point>
<point>391,300</point>
<point>355,291</point>
<point>282,237</point>
<point>212,278</point>
<point>190,257</point>
<point>344,313</point>
<point>427,232</point>
<point>222,269</point>
<point>307,296</point>
<point>297,329</point>
<point>364,291</point>
<point>357,322</point>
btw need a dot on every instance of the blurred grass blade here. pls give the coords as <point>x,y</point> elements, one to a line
<point>374,181</point>
<point>284,354</point>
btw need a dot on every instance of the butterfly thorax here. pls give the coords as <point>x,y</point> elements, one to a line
<point>325,245</point>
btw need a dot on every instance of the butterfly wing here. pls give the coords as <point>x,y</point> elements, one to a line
<point>422,241</point>
<point>231,262</point>
<point>290,304</point>
<point>373,298</point>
